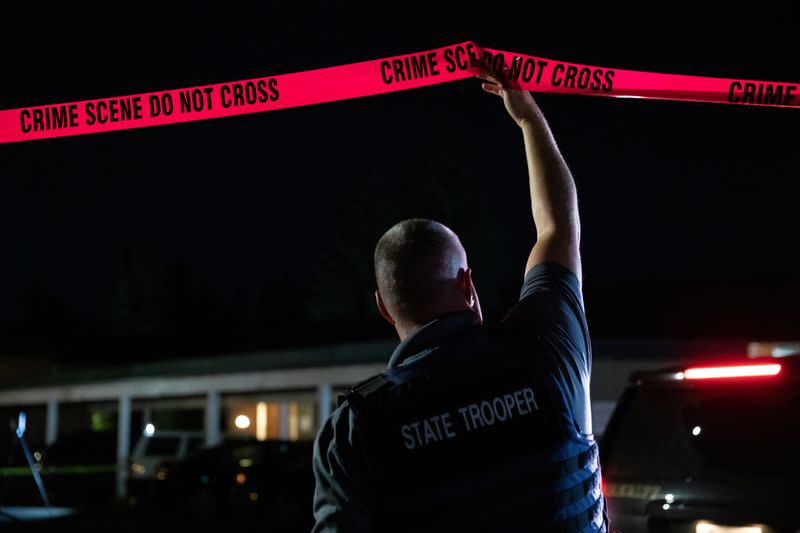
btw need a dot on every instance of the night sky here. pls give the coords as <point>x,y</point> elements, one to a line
<point>257,231</point>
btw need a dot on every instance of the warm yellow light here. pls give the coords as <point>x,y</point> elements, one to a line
<point>253,496</point>
<point>294,426</point>
<point>242,422</point>
<point>708,527</point>
<point>261,421</point>
<point>136,468</point>
<point>241,478</point>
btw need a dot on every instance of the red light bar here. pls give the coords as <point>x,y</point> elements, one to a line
<point>732,371</point>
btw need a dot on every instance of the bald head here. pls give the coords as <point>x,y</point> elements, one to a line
<point>421,270</point>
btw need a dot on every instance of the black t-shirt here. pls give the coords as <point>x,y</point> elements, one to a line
<point>550,315</point>
<point>551,307</point>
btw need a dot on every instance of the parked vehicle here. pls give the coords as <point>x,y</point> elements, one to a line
<point>706,449</point>
<point>270,481</point>
<point>152,450</point>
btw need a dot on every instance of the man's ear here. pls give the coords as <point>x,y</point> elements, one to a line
<point>465,286</point>
<point>382,307</point>
<point>469,291</point>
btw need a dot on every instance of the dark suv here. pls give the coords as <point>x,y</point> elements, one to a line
<point>711,449</point>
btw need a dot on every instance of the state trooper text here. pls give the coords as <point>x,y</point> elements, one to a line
<point>468,418</point>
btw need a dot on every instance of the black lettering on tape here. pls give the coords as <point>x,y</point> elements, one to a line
<point>609,85</point>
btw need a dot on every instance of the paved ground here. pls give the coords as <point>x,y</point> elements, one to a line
<point>122,519</point>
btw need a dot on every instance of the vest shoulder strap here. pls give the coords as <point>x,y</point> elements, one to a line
<point>360,392</point>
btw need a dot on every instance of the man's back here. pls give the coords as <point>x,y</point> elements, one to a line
<point>472,429</point>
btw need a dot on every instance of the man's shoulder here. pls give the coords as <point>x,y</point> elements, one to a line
<point>337,430</point>
<point>366,388</point>
<point>550,295</point>
<point>343,417</point>
<point>554,280</point>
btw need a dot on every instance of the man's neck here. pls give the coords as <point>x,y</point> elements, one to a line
<point>406,329</point>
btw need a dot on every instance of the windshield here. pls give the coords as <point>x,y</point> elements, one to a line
<point>710,430</point>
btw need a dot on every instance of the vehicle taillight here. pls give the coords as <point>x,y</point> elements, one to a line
<point>740,371</point>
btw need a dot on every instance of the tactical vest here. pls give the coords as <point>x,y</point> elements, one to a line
<point>469,438</point>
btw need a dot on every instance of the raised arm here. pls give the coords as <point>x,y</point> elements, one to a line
<point>554,200</point>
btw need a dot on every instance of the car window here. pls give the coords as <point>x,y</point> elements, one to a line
<point>162,446</point>
<point>715,431</point>
<point>751,430</point>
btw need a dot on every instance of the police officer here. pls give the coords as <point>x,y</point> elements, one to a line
<point>473,428</point>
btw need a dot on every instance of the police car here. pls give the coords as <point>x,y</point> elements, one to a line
<point>706,449</point>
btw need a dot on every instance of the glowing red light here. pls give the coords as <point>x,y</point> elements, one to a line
<point>732,371</point>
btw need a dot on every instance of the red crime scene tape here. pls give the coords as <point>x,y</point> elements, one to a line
<point>397,73</point>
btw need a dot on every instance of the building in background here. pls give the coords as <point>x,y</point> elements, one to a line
<point>284,394</point>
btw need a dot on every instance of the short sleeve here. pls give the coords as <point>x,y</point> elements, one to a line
<point>551,315</point>
<point>338,494</point>
<point>554,278</point>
